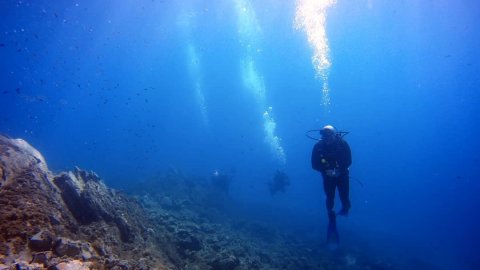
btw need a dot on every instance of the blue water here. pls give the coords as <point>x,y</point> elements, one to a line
<point>110,86</point>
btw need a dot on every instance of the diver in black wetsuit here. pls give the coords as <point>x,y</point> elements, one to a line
<point>332,156</point>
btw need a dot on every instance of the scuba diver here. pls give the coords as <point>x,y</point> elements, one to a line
<point>221,181</point>
<point>331,156</point>
<point>280,182</point>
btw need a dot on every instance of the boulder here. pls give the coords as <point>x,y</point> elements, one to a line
<point>187,241</point>
<point>42,241</point>
<point>67,247</point>
<point>17,156</point>
<point>42,257</point>
<point>89,200</point>
<point>74,249</point>
<point>226,263</point>
<point>126,233</point>
<point>72,265</point>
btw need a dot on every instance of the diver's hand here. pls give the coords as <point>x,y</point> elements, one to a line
<point>333,173</point>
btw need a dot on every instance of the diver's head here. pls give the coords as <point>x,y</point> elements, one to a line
<point>328,133</point>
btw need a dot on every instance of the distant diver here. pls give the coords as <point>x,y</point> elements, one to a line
<point>279,183</point>
<point>331,156</point>
<point>221,181</point>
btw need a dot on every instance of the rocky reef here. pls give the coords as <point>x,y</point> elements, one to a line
<point>72,220</point>
<point>69,220</point>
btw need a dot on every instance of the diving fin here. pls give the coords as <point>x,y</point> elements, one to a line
<point>332,232</point>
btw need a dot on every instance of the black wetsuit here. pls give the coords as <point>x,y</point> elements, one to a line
<point>333,156</point>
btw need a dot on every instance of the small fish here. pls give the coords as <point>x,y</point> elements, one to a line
<point>2,44</point>
<point>18,90</point>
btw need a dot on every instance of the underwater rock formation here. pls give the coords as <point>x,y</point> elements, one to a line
<point>66,221</point>
<point>89,201</point>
